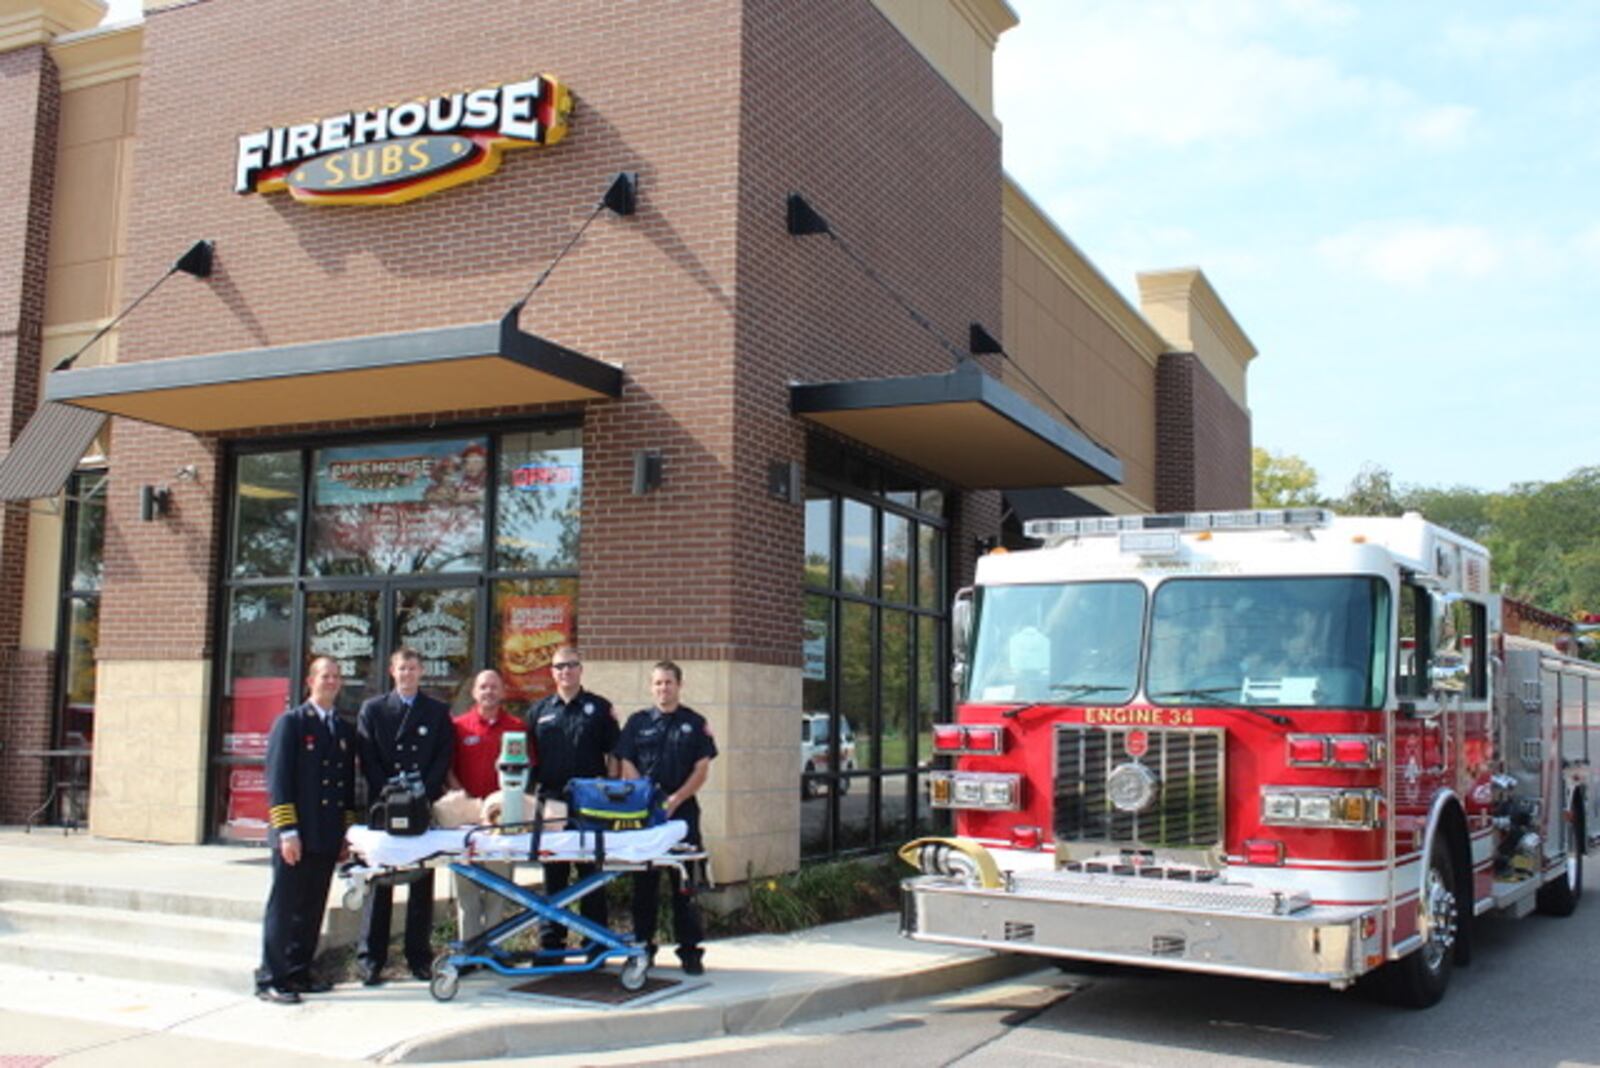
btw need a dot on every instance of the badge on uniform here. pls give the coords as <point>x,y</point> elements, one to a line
<point>311,742</point>
<point>471,739</point>
<point>422,730</point>
<point>588,708</point>
<point>686,728</point>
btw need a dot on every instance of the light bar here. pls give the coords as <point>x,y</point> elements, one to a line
<point>951,739</point>
<point>1183,522</point>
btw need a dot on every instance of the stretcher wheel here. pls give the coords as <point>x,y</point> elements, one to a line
<point>634,972</point>
<point>354,897</point>
<point>446,981</point>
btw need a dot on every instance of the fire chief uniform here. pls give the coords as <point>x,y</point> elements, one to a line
<point>311,791</point>
<point>402,736</point>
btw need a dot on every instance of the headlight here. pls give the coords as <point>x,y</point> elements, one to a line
<point>994,791</point>
<point>1311,806</point>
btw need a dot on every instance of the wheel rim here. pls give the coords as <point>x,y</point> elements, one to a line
<point>1438,919</point>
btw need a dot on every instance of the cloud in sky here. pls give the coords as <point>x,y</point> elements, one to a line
<point>1414,254</point>
<point>1367,185</point>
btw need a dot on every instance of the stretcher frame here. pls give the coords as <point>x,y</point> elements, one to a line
<point>486,950</point>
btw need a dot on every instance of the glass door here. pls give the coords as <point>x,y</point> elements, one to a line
<point>442,625</point>
<point>347,624</point>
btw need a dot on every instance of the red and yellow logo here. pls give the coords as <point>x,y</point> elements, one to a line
<point>391,155</point>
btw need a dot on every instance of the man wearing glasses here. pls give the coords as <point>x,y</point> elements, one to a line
<point>574,733</point>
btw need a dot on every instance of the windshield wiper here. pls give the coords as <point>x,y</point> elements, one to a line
<point>1068,691</point>
<point>1217,693</point>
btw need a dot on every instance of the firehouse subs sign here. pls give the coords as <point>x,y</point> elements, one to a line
<point>390,155</point>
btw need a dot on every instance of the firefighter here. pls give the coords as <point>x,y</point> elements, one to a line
<point>574,733</point>
<point>403,731</point>
<point>670,744</point>
<point>311,790</point>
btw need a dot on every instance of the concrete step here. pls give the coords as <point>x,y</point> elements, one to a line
<point>125,927</point>
<point>128,960</point>
<point>133,899</point>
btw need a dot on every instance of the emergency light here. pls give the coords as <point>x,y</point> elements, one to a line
<point>1183,522</point>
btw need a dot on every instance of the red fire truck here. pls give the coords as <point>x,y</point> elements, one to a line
<point>1279,744</point>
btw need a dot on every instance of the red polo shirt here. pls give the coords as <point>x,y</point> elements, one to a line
<point>478,749</point>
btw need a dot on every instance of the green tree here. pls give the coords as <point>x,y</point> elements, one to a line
<point>1281,480</point>
<point>1371,492</point>
<point>1465,510</point>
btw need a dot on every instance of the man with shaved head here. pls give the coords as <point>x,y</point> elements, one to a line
<point>479,731</point>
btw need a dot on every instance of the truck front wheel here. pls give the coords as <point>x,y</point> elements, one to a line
<point>1419,979</point>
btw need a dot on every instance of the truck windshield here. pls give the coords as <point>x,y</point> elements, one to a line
<point>1306,642</point>
<point>1069,643</point>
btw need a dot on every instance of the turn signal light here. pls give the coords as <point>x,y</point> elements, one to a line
<point>1263,852</point>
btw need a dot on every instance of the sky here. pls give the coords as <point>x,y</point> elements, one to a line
<point>1398,202</point>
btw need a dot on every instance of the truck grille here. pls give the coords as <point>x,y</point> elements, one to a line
<point>1188,808</point>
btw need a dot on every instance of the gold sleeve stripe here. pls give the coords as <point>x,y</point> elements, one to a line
<point>351,817</point>
<point>283,816</point>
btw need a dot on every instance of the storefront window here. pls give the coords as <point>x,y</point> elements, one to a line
<point>266,522</point>
<point>874,564</point>
<point>541,484</point>
<point>855,552</point>
<point>396,552</point>
<point>398,509</point>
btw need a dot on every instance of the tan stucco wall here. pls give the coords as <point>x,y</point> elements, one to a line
<point>150,744</point>
<point>1076,336</point>
<point>957,38</point>
<point>94,158</point>
<point>750,805</point>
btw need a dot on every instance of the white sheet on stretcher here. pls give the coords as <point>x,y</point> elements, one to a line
<point>381,849</point>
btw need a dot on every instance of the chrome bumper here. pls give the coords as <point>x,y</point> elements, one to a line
<point>1225,930</point>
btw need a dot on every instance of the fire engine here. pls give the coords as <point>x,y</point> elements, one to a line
<point>1278,743</point>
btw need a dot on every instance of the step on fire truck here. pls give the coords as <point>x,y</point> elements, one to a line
<point>1277,744</point>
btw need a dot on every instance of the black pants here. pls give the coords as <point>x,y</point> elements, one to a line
<point>686,924</point>
<point>293,922</point>
<point>557,877</point>
<point>372,952</point>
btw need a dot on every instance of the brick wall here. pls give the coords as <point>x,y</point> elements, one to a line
<point>703,298</point>
<point>909,176</point>
<point>30,686</point>
<point>1202,439</point>
<point>656,90</point>
<point>29,114</point>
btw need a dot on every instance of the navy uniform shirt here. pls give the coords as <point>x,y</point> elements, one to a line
<point>395,738</point>
<point>571,739</point>
<point>311,779</point>
<point>665,746</point>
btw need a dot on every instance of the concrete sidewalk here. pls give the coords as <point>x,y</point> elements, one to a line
<point>753,984</point>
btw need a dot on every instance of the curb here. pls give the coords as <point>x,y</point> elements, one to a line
<point>596,1031</point>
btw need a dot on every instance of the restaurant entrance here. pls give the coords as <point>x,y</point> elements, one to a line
<point>462,546</point>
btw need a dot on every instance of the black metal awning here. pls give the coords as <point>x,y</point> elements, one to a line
<point>964,426</point>
<point>453,368</point>
<point>46,451</point>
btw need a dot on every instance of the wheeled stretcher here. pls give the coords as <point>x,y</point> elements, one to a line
<point>385,859</point>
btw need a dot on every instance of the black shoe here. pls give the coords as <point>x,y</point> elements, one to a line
<point>277,995</point>
<point>308,986</point>
<point>693,962</point>
<point>423,972</point>
<point>371,976</point>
